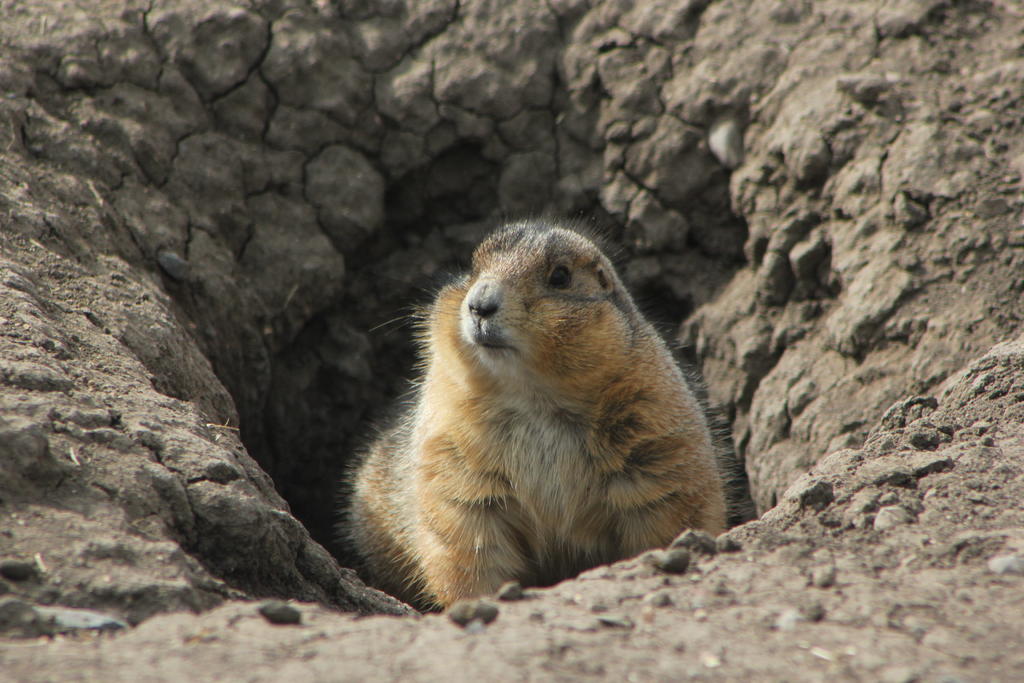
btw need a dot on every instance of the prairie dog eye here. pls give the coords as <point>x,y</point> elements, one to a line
<point>560,277</point>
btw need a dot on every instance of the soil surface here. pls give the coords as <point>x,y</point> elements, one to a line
<point>215,219</point>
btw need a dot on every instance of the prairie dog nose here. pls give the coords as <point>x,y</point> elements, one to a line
<point>484,299</point>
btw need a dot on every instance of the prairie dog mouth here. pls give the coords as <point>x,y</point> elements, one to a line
<point>485,333</point>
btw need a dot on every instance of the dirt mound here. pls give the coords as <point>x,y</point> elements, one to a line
<point>122,480</point>
<point>901,560</point>
<point>211,215</point>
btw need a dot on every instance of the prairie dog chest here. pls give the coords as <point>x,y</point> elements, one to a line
<point>544,455</point>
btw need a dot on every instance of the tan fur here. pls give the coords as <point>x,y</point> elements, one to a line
<point>577,443</point>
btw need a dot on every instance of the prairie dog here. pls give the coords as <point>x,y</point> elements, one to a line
<point>551,431</point>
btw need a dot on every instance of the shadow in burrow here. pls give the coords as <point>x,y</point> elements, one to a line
<point>350,368</point>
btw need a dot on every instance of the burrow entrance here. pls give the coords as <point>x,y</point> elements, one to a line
<point>345,373</point>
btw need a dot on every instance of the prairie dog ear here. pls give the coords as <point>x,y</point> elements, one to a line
<point>602,279</point>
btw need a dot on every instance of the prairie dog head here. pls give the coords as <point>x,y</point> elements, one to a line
<point>544,305</point>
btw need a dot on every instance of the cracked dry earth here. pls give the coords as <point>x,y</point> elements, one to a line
<point>211,214</point>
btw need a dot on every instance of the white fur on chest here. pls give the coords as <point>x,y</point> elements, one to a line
<point>545,458</point>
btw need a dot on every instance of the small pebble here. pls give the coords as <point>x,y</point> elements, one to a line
<point>981,426</point>
<point>727,544</point>
<point>475,627</point>
<point>465,612</point>
<point>18,570</point>
<point>815,494</point>
<point>896,476</point>
<point>926,463</point>
<point>866,89</point>
<point>824,577</point>
<point>893,515</point>
<point>788,619</point>
<point>616,622</point>
<point>1006,564</point>
<point>172,264</point>
<point>659,599</point>
<point>671,561</point>
<point>725,140</point>
<point>277,612</point>
<point>888,498</point>
<point>822,653</point>
<point>509,591</point>
<point>813,612</point>
<point>710,660</point>
<point>925,439</point>
<point>72,619</point>
<point>695,541</point>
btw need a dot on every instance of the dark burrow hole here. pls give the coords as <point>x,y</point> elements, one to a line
<point>345,374</point>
